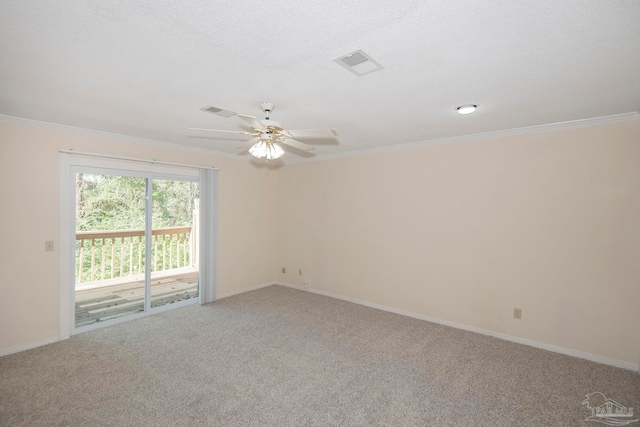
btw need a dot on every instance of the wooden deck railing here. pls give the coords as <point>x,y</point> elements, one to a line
<point>110,254</point>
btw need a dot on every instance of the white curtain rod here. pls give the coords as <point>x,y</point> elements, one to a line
<point>134,159</point>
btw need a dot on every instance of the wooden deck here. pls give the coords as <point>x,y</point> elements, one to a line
<point>97,302</point>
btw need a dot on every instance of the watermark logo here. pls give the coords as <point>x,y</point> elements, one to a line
<point>607,411</point>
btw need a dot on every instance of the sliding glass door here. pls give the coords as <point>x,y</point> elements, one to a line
<point>110,246</point>
<point>136,243</point>
<point>174,242</point>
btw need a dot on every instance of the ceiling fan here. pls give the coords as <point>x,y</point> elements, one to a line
<point>268,135</point>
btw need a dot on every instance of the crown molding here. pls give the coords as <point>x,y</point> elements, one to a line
<point>549,127</point>
<point>114,136</point>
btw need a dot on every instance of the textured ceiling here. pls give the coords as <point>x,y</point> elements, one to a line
<point>144,68</point>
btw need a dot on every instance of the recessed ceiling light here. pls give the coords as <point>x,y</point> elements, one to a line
<point>467,109</point>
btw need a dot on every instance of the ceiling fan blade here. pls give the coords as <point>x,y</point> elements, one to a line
<point>249,143</point>
<point>253,122</point>
<point>296,144</point>
<point>224,131</point>
<point>314,133</point>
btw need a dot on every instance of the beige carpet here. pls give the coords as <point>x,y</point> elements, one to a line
<point>283,357</point>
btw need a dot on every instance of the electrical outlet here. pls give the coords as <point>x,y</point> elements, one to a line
<point>300,272</point>
<point>305,284</point>
<point>284,270</point>
<point>517,313</point>
<point>48,246</point>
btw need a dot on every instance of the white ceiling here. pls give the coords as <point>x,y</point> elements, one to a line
<point>144,68</point>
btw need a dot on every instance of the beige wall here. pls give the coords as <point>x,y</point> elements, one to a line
<point>29,215</point>
<point>546,222</point>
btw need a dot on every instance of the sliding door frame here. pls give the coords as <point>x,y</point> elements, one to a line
<point>69,166</point>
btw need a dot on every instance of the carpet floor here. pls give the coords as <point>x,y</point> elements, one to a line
<point>285,357</point>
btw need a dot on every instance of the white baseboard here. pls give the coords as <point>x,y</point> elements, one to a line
<point>243,290</point>
<point>557,349</point>
<point>531,343</point>
<point>23,347</point>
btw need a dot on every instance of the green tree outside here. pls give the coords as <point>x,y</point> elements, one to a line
<point>110,202</point>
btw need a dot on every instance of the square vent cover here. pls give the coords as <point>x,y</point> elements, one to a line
<point>359,63</point>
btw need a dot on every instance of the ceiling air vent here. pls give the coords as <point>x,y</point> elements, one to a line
<point>359,63</point>
<point>218,111</point>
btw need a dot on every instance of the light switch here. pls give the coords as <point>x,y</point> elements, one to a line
<point>48,246</point>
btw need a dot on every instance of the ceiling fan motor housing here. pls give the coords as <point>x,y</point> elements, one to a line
<point>271,125</point>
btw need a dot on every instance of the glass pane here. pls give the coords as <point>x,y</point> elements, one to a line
<point>174,247</point>
<point>110,250</point>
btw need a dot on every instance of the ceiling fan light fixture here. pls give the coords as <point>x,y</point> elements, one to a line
<point>467,109</point>
<point>266,148</point>
<point>269,134</point>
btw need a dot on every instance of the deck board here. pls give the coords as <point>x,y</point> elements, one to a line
<point>103,303</point>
